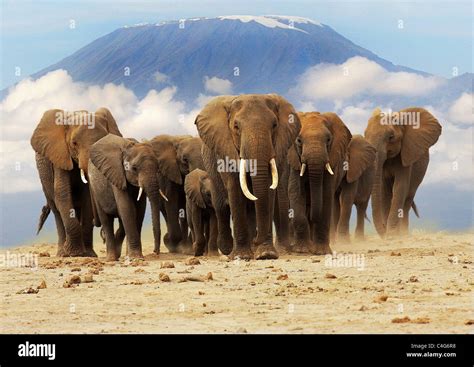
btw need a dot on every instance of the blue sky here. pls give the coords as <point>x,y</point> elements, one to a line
<point>436,35</point>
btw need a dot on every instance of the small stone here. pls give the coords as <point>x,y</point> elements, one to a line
<point>330,276</point>
<point>381,298</point>
<point>88,278</point>
<point>42,285</point>
<point>413,279</point>
<point>469,322</point>
<point>44,254</point>
<point>75,279</point>
<point>421,320</point>
<point>192,261</point>
<point>201,293</point>
<point>395,254</point>
<point>282,277</point>
<point>209,276</point>
<point>363,308</point>
<point>164,277</point>
<point>167,265</point>
<point>241,330</point>
<point>401,320</point>
<point>28,290</point>
<point>76,269</point>
<point>139,270</point>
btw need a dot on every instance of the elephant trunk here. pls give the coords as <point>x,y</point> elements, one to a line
<point>377,197</point>
<point>316,173</point>
<point>152,190</point>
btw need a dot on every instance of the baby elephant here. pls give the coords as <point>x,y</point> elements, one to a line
<point>120,170</point>
<point>200,213</point>
<point>355,188</point>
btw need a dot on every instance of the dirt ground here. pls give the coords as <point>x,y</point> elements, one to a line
<point>419,284</point>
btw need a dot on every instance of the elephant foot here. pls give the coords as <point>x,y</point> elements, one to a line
<point>112,257</point>
<point>198,248</point>
<point>212,253</point>
<point>321,249</point>
<point>302,247</point>
<point>61,252</point>
<point>135,254</point>
<point>359,237</point>
<point>185,248</point>
<point>266,252</point>
<point>242,253</point>
<point>90,252</point>
<point>226,245</point>
<point>283,247</point>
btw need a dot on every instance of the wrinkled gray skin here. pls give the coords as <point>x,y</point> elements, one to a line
<point>255,127</point>
<point>61,151</point>
<point>400,166</point>
<point>355,189</point>
<point>201,215</point>
<point>117,168</point>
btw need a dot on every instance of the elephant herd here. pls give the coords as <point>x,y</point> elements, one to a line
<point>256,165</point>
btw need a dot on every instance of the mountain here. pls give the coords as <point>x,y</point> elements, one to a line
<point>270,52</point>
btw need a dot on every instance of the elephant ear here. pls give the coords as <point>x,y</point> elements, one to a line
<point>361,154</point>
<point>104,116</point>
<point>106,154</point>
<point>213,127</point>
<point>49,140</point>
<point>418,139</point>
<point>293,158</point>
<point>341,138</point>
<point>289,126</point>
<point>192,187</point>
<point>165,151</point>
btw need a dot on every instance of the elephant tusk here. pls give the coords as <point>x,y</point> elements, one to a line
<point>163,195</point>
<point>139,193</point>
<point>83,176</point>
<point>328,167</point>
<point>243,181</point>
<point>274,169</point>
<point>303,169</point>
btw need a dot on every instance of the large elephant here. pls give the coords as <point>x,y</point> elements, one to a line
<point>201,216</point>
<point>316,170</point>
<point>120,170</point>
<point>355,188</point>
<point>171,181</point>
<point>62,143</point>
<point>246,140</point>
<point>402,140</point>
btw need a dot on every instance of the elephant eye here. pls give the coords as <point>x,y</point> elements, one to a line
<point>274,126</point>
<point>134,168</point>
<point>236,125</point>
<point>74,143</point>
<point>391,137</point>
<point>298,141</point>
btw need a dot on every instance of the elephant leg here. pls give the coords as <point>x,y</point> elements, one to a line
<point>87,222</point>
<point>361,213</point>
<point>59,225</point>
<point>128,213</point>
<point>174,235</point>
<point>322,226</point>
<point>141,208</point>
<point>335,218</point>
<point>107,222</point>
<point>251,222</point>
<point>397,211</point>
<point>301,227</point>
<point>281,217</point>
<point>238,208</point>
<point>346,199</point>
<point>198,225</point>
<point>387,194</point>
<point>119,237</point>
<point>212,249</point>
<point>405,220</point>
<point>73,245</point>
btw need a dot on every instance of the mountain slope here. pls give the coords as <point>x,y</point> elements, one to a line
<point>269,51</point>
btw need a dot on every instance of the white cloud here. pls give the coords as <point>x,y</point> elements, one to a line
<point>216,85</point>
<point>359,75</point>
<point>157,113</point>
<point>462,110</point>
<point>160,77</point>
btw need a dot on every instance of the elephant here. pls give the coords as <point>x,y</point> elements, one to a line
<point>188,153</point>
<point>62,142</point>
<point>355,188</point>
<point>246,135</point>
<point>200,212</point>
<point>171,181</point>
<point>316,169</point>
<point>120,170</point>
<point>402,140</point>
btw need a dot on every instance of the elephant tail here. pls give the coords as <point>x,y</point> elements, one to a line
<point>366,217</point>
<point>43,216</point>
<point>415,209</point>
